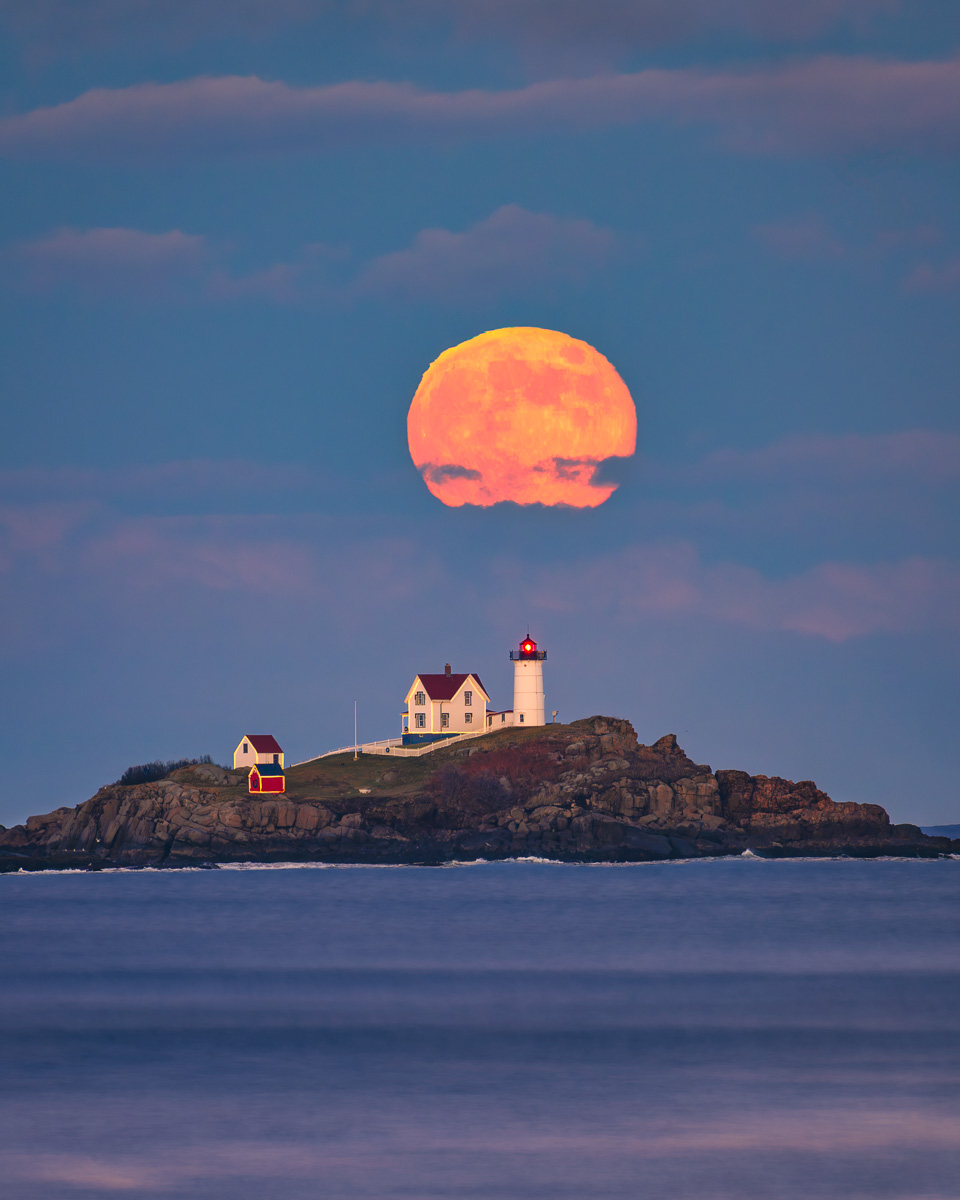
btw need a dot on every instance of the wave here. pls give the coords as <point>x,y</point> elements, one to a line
<point>456,864</point>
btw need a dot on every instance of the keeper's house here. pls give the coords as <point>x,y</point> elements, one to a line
<point>267,777</point>
<point>447,703</point>
<point>256,748</point>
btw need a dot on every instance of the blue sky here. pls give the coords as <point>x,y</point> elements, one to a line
<point>235,235</point>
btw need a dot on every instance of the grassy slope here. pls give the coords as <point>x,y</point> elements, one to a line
<point>336,781</point>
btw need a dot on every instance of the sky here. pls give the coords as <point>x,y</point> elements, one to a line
<point>235,235</point>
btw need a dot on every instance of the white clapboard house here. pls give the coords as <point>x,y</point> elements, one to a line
<point>447,703</point>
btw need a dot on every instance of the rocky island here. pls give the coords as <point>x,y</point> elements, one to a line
<point>583,792</point>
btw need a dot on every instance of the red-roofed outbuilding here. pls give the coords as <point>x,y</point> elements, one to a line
<point>267,777</point>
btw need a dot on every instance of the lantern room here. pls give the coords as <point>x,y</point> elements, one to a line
<point>528,651</point>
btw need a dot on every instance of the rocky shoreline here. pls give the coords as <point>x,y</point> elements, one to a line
<point>583,792</point>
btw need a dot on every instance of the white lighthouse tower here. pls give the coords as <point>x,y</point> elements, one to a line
<point>528,683</point>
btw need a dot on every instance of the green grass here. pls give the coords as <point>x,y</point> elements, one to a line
<point>337,780</point>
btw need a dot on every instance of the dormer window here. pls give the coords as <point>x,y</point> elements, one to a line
<point>419,699</point>
<point>468,698</point>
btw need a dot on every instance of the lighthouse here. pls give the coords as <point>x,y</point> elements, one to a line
<point>528,683</point>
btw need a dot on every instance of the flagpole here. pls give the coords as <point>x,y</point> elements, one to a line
<point>354,731</point>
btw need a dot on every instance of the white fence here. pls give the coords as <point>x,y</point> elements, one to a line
<point>395,747</point>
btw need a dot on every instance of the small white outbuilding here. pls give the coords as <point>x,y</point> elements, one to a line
<point>257,748</point>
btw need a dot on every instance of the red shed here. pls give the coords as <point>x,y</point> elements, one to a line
<point>267,777</point>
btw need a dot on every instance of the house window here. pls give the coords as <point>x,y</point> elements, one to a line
<point>521,718</point>
<point>468,698</point>
<point>421,720</point>
<point>468,718</point>
<point>444,720</point>
<point>276,759</point>
<point>419,699</point>
<point>503,717</point>
<point>246,748</point>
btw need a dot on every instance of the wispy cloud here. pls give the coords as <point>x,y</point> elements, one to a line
<point>113,262</point>
<point>198,480</point>
<point>834,600</point>
<point>132,557</point>
<point>830,104</point>
<point>809,238</point>
<point>64,27</point>
<point>60,26</point>
<point>512,251</point>
<point>806,237</point>
<point>584,30</point>
<point>835,494</point>
<point>928,277</point>
<point>926,456</point>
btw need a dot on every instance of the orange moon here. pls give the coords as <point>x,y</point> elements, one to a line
<point>520,414</point>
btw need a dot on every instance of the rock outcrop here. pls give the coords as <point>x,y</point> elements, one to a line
<point>582,792</point>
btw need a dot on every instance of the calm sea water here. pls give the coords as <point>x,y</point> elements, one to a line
<point>713,1030</point>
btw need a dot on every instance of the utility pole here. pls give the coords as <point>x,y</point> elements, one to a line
<point>354,731</point>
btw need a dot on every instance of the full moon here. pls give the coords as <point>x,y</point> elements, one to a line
<point>520,414</point>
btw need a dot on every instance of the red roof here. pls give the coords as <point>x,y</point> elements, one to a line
<point>264,743</point>
<point>445,687</point>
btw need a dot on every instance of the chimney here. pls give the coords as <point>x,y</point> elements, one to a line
<point>446,669</point>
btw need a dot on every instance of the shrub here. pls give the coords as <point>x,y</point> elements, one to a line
<point>480,790</point>
<point>524,767</point>
<point>152,771</point>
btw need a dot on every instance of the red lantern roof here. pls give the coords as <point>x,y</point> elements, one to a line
<point>528,651</point>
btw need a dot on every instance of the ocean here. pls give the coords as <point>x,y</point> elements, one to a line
<point>510,1031</point>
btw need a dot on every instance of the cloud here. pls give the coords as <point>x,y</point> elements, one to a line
<point>809,238</point>
<point>202,481</point>
<point>136,559</point>
<point>801,238</point>
<point>833,600</point>
<point>111,262</point>
<point>928,278</point>
<point>440,474</point>
<point>64,27</point>
<point>588,471</point>
<point>830,104</point>
<point>827,495</point>
<point>154,562</point>
<point>510,251</point>
<point>918,455</point>
<point>39,533</point>
<point>630,24</point>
